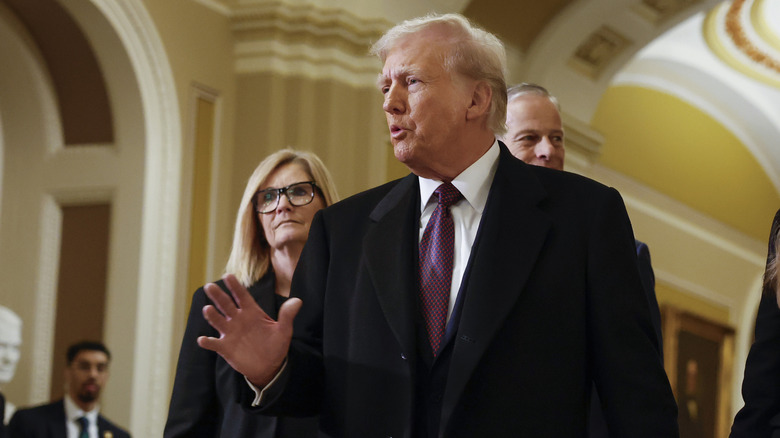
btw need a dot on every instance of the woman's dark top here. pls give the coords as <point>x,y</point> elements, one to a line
<point>205,402</point>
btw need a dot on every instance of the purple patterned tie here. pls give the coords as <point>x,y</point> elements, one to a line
<point>436,253</point>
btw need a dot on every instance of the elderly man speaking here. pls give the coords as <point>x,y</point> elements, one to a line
<point>476,297</point>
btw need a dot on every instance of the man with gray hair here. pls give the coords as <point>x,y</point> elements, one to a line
<point>477,296</point>
<point>534,131</point>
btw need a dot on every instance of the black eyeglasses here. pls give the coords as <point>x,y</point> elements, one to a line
<point>299,194</point>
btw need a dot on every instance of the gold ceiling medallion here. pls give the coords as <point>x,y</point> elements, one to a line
<point>595,53</point>
<point>742,41</point>
<point>737,33</point>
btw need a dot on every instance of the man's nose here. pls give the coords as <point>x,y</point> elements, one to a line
<point>545,148</point>
<point>394,101</point>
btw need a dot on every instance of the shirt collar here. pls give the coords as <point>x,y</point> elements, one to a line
<point>73,412</point>
<point>473,183</point>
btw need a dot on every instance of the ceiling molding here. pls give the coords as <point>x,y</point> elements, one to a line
<point>682,217</point>
<point>306,40</point>
<point>583,143</point>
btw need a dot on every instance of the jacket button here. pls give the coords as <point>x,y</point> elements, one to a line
<point>403,357</point>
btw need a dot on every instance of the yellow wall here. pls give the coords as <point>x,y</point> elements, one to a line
<point>677,149</point>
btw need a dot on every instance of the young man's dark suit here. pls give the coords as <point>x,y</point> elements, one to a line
<point>48,421</point>
<point>551,302</point>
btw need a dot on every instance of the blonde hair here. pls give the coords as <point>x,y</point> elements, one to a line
<point>249,256</point>
<point>476,54</point>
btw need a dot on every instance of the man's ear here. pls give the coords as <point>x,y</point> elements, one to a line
<point>481,97</point>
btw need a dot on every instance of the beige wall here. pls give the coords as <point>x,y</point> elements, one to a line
<point>343,124</point>
<point>199,60</point>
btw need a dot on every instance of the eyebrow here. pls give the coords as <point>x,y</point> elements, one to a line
<point>381,80</point>
<point>405,71</point>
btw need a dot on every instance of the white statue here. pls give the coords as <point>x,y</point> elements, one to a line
<point>10,341</point>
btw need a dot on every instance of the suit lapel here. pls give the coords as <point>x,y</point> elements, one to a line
<point>102,427</point>
<point>387,250</point>
<point>58,427</point>
<point>511,235</point>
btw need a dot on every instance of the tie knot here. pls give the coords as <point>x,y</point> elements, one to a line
<point>447,194</point>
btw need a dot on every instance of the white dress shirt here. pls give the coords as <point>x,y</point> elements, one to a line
<point>73,413</point>
<point>474,184</point>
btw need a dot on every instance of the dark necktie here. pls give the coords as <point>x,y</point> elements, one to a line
<point>83,427</point>
<point>436,253</point>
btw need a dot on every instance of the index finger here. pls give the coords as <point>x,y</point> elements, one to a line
<point>221,300</point>
<point>239,292</point>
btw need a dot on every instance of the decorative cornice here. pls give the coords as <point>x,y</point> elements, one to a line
<point>306,40</point>
<point>583,143</point>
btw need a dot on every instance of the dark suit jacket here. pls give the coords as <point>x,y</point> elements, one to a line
<point>760,417</point>
<point>204,402</point>
<point>48,421</point>
<point>598,424</point>
<point>553,302</point>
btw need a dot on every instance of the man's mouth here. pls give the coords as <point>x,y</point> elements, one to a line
<point>396,131</point>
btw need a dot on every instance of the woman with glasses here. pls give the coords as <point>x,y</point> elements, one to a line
<point>279,203</point>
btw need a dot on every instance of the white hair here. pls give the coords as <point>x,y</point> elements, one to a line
<point>476,53</point>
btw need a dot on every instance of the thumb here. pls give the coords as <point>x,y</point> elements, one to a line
<point>288,311</point>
